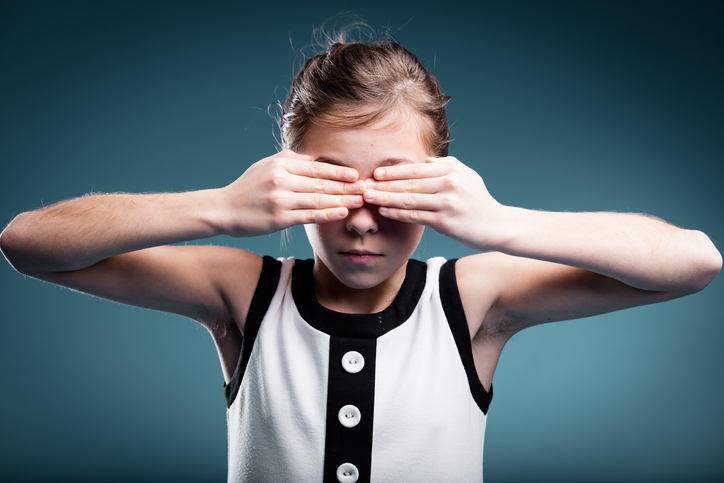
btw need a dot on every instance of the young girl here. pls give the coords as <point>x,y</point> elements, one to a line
<point>361,364</point>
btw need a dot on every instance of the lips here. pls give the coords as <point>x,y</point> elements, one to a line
<point>360,256</point>
<point>359,252</point>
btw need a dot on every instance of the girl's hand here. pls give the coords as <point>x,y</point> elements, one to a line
<point>288,189</point>
<point>443,194</point>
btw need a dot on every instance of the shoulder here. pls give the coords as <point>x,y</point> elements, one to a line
<point>229,275</point>
<point>246,277</point>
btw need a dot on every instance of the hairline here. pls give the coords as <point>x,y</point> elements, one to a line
<point>381,120</point>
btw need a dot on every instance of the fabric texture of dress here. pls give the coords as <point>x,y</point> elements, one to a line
<point>322,396</point>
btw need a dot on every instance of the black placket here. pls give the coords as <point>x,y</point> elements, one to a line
<point>351,445</point>
<point>349,449</point>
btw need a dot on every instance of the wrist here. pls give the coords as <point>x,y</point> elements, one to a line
<point>213,211</point>
<point>510,225</point>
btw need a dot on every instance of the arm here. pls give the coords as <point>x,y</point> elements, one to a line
<point>113,245</point>
<point>545,266</point>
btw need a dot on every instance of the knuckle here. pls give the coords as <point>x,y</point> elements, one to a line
<point>448,202</point>
<point>276,163</point>
<point>452,182</point>
<point>277,179</point>
<point>409,200</point>
<point>414,215</point>
<point>317,200</point>
<point>316,168</point>
<point>310,216</point>
<point>319,184</point>
<point>410,184</point>
<point>349,188</point>
<point>276,200</point>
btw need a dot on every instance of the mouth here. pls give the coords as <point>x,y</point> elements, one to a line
<point>360,256</point>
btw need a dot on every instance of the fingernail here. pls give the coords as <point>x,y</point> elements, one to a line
<point>369,195</point>
<point>370,183</point>
<point>383,210</point>
<point>360,185</point>
<point>358,200</point>
<point>379,172</point>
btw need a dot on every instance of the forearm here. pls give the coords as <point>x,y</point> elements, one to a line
<point>78,233</point>
<point>275,193</point>
<point>639,250</point>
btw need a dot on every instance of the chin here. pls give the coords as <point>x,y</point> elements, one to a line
<point>361,280</point>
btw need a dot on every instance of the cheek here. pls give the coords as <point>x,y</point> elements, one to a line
<point>417,234</point>
<point>407,233</point>
<point>312,235</point>
<point>318,234</point>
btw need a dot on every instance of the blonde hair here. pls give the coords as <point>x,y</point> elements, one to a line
<point>357,84</point>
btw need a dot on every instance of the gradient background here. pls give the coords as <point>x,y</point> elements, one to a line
<point>559,105</point>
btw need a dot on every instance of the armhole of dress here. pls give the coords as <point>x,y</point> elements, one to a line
<point>263,294</point>
<point>453,307</point>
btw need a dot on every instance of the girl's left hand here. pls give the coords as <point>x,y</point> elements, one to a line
<point>443,194</point>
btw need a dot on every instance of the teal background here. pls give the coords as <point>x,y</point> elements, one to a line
<point>574,106</point>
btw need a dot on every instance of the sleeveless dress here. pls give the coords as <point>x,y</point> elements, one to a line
<point>322,396</point>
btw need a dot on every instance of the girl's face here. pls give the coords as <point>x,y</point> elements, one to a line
<point>365,249</point>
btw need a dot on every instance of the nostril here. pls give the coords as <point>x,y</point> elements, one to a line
<point>362,220</point>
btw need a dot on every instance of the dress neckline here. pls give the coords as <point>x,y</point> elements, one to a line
<point>356,325</point>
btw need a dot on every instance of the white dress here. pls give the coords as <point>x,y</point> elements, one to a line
<point>322,396</point>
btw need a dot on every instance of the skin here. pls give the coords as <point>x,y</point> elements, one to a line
<point>360,261</point>
<point>364,214</point>
<point>538,267</point>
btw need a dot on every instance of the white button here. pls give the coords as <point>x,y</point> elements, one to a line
<point>349,416</point>
<point>347,473</point>
<point>353,362</point>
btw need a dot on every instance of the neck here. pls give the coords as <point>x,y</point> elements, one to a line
<point>334,295</point>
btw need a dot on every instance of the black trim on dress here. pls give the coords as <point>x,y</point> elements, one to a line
<point>265,290</point>
<point>356,325</point>
<point>455,314</point>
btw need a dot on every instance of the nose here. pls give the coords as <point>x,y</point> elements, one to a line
<point>363,220</point>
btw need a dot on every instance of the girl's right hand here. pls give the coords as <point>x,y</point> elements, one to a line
<point>288,189</point>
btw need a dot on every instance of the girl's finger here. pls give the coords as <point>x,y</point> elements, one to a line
<point>303,184</point>
<point>407,201</point>
<point>302,217</point>
<point>411,171</point>
<point>421,217</point>
<point>409,185</point>
<point>319,201</point>
<point>317,169</point>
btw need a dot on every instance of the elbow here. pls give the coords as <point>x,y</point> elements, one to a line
<point>712,269</point>
<point>706,265</point>
<point>14,245</point>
